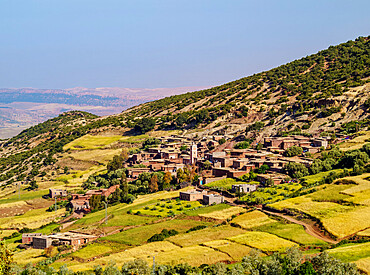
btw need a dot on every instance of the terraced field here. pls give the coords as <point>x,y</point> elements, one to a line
<point>252,219</point>
<point>262,241</point>
<point>205,235</point>
<point>330,206</point>
<point>140,235</point>
<point>292,232</point>
<point>224,214</point>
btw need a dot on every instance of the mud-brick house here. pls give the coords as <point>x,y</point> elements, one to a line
<point>57,193</point>
<point>265,178</point>
<point>192,195</point>
<point>27,238</point>
<point>41,242</point>
<point>243,188</point>
<point>212,199</point>
<point>135,172</point>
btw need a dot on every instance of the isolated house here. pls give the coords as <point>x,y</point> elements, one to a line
<point>192,195</point>
<point>212,199</point>
<point>27,238</point>
<point>57,193</point>
<point>243,188</point>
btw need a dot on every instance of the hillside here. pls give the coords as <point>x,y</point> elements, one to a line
<point>331,85</point>
<point>143,162</point>
<point>324,92</point>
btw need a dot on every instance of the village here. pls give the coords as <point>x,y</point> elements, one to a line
<point>174,153</point>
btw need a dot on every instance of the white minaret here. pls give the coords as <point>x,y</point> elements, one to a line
<point>193,153</point>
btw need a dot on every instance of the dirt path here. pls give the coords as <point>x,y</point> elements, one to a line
<point>308,228</point>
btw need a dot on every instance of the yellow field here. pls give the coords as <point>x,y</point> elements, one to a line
<point>234,250</point>
<point>348,223</point>
<point>263,241</point>
<point>89,142</point>
<point>364,265</point>
<point>365,233</point>
<point>28,256</point>
<point>76,177</point>
<point>205,235</point>
<point>224,214</point>
<point>252,219</point>
<point>361,192</point>
<point>193,255</point>
<point>6,233</point>
<point>340,220</point>
<point>32,219</point>
<point>145,251</point>
<point>355,143</point>
<point>13,204</point>
<point>101,156</point>
<point>363,184</point>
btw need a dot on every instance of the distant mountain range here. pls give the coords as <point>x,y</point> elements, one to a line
<point>21,108</point>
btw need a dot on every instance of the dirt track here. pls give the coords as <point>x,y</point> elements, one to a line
<point>308,228</point>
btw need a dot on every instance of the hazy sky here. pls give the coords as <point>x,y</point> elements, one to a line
<point>164,43</point>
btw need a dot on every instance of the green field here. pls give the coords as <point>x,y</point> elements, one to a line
<point>292,232</point>
<point>25,196</point>
<point>224,183</point>
<point>331,193</point>
<point>140,235</point>
<point>98,249</point>
<point>273,193</point>
<point>317,177</point>
<point>208,209</point>
<point>168,208</point>
<point>351,253</point>
<point>89,142</point>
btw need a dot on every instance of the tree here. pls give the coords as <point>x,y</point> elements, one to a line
<point>145,124</point>
<point>296,170</point>
<point>124,185</point>
<point>118,161</point>
<point>242,145</point>
<point>180,175</point>
<point>6,258</point>
<point>259,146</point>
<point>65,169</point>
<point>222,141</point>
<point>207,165</point>
<point>153,185</point>
<point>293,151</point>
<point>167,180</point>
<point>33,185</point>
<point>95,202</point>
<point>262,169</point>
<point>137,266</point>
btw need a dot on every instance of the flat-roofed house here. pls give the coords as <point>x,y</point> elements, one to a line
<point>27,238</point>
<point>41,242</point>
<point>57,193</point>
<point>212,199</point>
<point>243,188</point>
<point>192,195</point>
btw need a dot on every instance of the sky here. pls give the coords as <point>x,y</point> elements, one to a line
<point>164,43</point>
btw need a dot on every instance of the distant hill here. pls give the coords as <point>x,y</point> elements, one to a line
<point>24,107</point>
